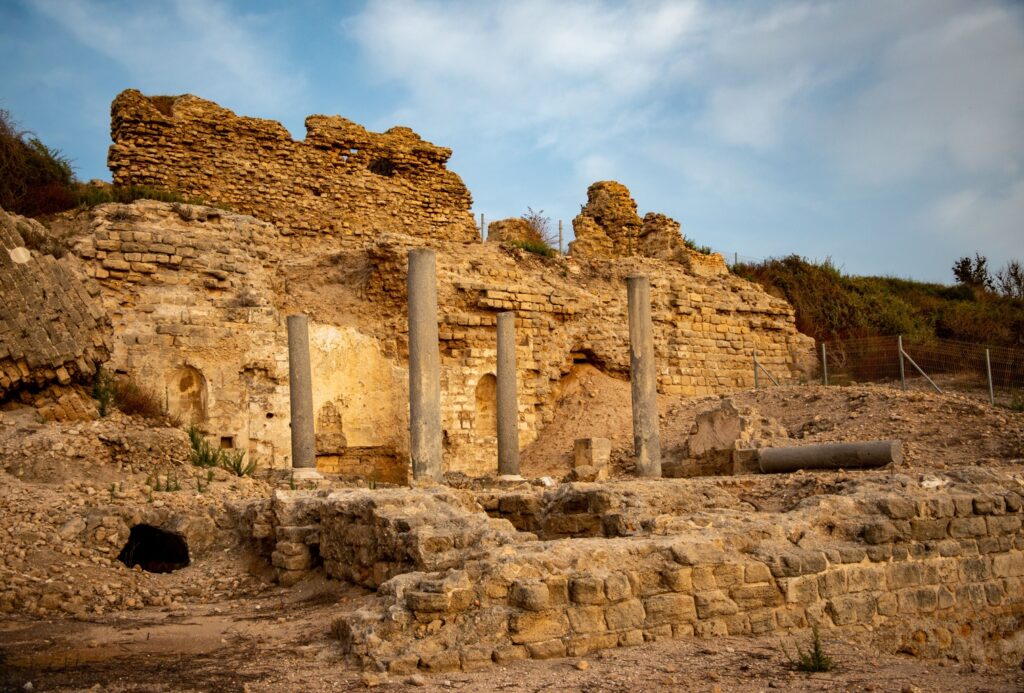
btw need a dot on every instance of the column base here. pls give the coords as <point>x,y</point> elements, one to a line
<point>305,473</point>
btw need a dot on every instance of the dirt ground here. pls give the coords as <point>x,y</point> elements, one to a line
<point>78,620</point>
<point>277,642</point>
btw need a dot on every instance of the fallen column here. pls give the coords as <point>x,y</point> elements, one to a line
<point>861,455</point>
<point>300,396</point>
<point>424,367</point>
<point>508,406</point>
<point>642,378</point>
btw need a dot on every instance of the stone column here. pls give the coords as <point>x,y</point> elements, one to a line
<point>424,367</point>
<point>300,395</point>
<point>642,377</point>
<point>508,405</point>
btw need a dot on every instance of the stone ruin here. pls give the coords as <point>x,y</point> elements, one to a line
<point>191,301</point>
<point>197,296</point>
<point>341,180</point>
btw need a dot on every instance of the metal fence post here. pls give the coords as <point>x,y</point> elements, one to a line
<point>988,371</point>
<point>903,375</point>
<point>735,258</point>
<point>755,371</point>
<point>560,237</point>
<point>824,365</point>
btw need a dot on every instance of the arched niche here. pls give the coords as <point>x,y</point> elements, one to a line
<point>486,423</point>
<point>186,394</point>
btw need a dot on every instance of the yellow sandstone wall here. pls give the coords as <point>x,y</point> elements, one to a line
<point>342,179</point>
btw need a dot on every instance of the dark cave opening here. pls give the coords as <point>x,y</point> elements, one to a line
<point>154,550</point>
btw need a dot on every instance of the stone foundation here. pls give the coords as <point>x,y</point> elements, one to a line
<point>935,570</point>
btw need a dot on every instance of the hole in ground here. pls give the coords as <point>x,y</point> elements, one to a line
<point>154,550</point>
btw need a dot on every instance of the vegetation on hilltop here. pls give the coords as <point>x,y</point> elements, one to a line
<point>36,180</point>
<point>831,305</point>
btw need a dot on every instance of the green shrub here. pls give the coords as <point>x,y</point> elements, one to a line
<point>830,305</point>
<point>535,247</point>
<point>232,460</point>
<point>203,454</point>
<point>813,661</point>
<point>34,179</point>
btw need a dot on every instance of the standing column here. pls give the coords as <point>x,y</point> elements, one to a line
<point>643,381</point>
<point>508,405</point>
<point>300,395</point>
<point>424,367</point>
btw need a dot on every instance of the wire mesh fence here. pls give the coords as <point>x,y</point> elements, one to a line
<point>994,373</point>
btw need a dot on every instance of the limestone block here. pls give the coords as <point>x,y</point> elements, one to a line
<point>587,590</point>
<point>669,609</point>
<point>530,595</point>
<point>531,627</point>
<point>625,615</point>
<point>592,452</point>
<point>587,619</point>
<point>853,608</point>
<point>714,603</point>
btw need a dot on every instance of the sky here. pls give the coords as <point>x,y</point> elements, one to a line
<point>886,136</point>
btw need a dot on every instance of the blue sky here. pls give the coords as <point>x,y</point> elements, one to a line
<point>888,136</point>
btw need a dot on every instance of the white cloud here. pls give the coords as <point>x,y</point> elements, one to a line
<point>196,46</point>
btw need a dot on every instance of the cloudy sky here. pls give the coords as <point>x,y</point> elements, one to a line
<point>888,136</point>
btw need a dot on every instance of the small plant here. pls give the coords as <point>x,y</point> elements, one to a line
<point>202,454</point>
<point>291,481</point>
<point>232,461</point>
<point>813,661</point>
<point>103,390</point>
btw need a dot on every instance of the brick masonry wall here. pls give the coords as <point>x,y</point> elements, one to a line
<point>198,298</point>
<point>340,180</point>
<point>53,329</point>
<point>937,575</point>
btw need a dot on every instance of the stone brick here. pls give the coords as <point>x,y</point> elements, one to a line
<point>853,608</point>
<point>668,609</point>
<point>678,579</point>
<point>617,587</point>
<point>756,596</point>
<point>537,626</point>
<point>530,595</point>
<point>627,614</point>
<point>963,527</point>
<point>928,529</point>
<point>714,603</point>
<point>832,583</point>
<point>548,649</point>
<point>586,619</point>
<point>587,590</point>
<point>1006,565</point>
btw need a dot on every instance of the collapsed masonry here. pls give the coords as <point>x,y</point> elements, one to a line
<point>53,331</point>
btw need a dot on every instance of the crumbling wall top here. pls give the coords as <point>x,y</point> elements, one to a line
<point>342,179</point>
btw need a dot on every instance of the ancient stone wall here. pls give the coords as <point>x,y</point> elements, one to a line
<point>341,179</point>
<point>53,330</point>
<point>933,570</point>
<point>608,227</point>
<point>198,298</point>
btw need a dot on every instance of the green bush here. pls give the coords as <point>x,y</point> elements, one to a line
<point>34,179</point>
<point>232,460</point>
<point>535,247</point>
<point>813,661</point>
<point>692,245</point>
<point>205,455</point>
<point>830,305</point>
